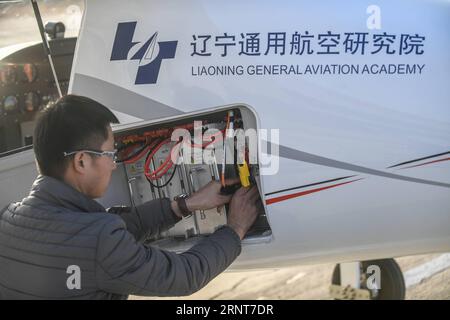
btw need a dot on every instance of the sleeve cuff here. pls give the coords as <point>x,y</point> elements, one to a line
<point>235,236</point>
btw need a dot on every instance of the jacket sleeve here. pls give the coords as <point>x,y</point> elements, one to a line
<point>147,219</point>
<point>125,266</point>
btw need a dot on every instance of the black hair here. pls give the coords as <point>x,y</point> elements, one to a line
<point>71,123</point>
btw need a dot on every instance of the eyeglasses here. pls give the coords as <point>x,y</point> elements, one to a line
<point>110,154</point>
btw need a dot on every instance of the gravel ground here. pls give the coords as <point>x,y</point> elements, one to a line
<point>308,282</point>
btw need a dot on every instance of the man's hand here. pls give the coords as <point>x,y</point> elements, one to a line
<point>209,196</point>
<point>244,208</point>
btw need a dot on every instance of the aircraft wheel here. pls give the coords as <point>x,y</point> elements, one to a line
<point>392,281</point>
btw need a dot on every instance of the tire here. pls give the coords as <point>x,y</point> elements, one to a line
<point>392,281</point>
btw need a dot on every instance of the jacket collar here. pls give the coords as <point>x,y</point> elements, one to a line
<point>59,194</point>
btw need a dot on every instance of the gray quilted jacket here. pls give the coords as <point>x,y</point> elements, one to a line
<point>58,244</point>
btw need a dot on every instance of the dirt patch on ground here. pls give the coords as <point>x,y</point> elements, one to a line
<point>308,282</point>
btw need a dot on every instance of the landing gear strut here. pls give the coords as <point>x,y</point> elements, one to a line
<point>371,280</point>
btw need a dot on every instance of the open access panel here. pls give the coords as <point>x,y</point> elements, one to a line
<point>146,170</point>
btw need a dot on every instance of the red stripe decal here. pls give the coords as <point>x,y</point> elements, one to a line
<point>422,164</point>
<point>303,193</point>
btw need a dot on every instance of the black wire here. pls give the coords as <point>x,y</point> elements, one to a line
<point>139,151</point>
<point>150,181</point>
<point>133,155</point>
<point>166,183</point>
<point>124,146</point>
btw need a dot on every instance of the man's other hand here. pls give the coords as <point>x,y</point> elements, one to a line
<point>209,196</point>
<point>244,208</point>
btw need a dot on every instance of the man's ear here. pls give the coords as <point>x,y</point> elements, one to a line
<point>79,162</point>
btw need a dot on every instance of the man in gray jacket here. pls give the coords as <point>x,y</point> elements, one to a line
<point>58,243</point>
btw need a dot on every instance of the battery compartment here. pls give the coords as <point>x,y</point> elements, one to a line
<point>145,163</point>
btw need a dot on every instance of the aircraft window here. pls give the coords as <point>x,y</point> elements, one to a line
<point>26,81</point>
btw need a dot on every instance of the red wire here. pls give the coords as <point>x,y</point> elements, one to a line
<point>208,143</point>
<point>167,164</point>
<point>164,164</point>
<point>161,174</point>
<point>164,167</point>
<point>150,157</point>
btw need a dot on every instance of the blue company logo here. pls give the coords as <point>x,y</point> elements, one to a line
<point>123,43</point>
